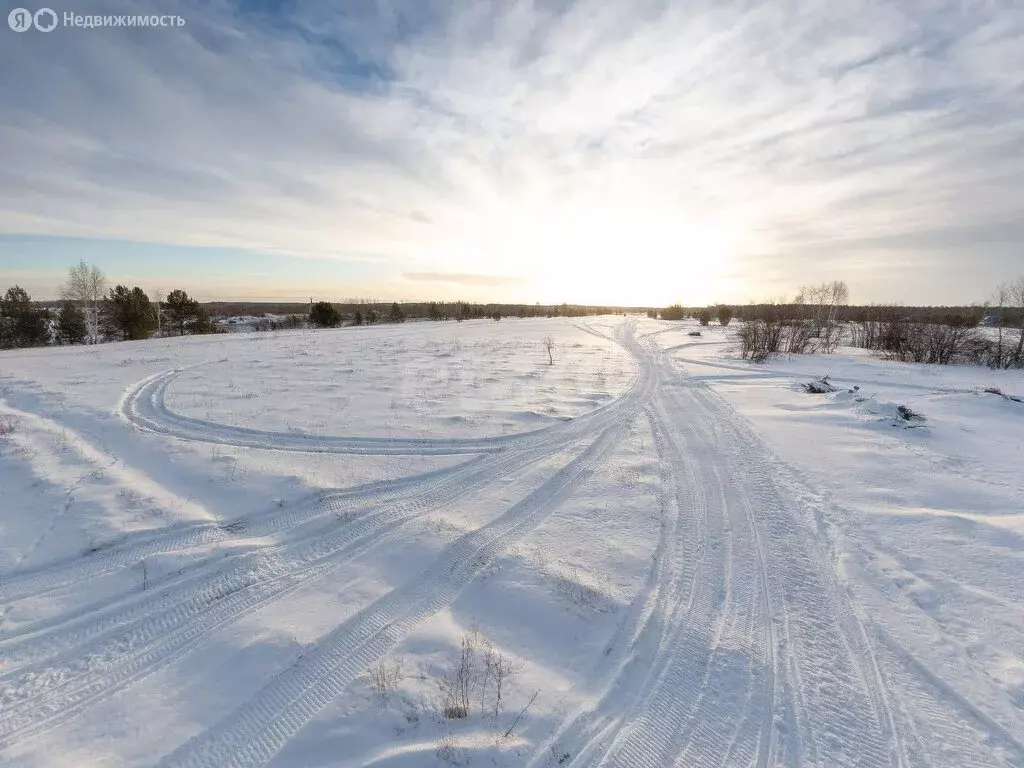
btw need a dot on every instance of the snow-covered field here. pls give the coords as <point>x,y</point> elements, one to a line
<point>272,549</point>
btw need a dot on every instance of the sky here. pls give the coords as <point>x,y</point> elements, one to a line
<point>629,153</point>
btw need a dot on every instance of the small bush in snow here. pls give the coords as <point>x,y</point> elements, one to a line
<point>385,676</point>
<point>908,415</point>
<point>448,750</point>
<point>675,312</point>
<point>760,340</point>
<point>456,685</point>
<point>819,387</point>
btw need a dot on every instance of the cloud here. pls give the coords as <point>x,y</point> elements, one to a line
<point>784,139</point>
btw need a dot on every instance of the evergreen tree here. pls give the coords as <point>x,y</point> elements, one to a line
<point>396,315</point>
<point>72,327</point>
<point>184,315</point>
<point>127,314</point>
<point>324,315</point>
<point>22,323</point>
<point>357,318</point>
<point>371,316</point>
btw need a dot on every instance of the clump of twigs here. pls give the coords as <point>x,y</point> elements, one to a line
<point>819,387</point>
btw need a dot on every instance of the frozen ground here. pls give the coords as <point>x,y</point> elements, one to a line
<point>268,548</point>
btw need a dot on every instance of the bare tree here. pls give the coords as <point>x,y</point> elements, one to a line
<point>823,302</point>
<point>1016,295</point>
<point>549,346</point>
<point>86,285</point>
<point>158,303</point>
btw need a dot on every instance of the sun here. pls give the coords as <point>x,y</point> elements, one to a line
<point>628,257</point>
<point>607,250</point>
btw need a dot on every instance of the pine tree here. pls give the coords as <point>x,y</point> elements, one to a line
<point>127,314</point>
<point>396,315</point>
<point>185,315</point>
<point>324,315</point>
<point>72,327</point>
<point>22,324</point>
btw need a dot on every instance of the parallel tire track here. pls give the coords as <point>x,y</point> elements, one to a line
<point>125,646</point>
<point>256,732</point>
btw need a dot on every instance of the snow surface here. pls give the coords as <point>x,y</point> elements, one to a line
<point>267,548</point>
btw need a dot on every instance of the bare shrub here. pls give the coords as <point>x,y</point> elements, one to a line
<point>829,337</point>
<point>480,673</point>
<point>760,339</point>
<point>549,347</point>
<point>456,685</point>
<point>448,750</point>
<point>9,425</point>
<point>819,387</point>
<point>798,337</point>
<point>953,340</point>
<point>385,676</point>
<point>502,670</point>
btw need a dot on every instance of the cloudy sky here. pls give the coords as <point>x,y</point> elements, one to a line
<point>612,152</point>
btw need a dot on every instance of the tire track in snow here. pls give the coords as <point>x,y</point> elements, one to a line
<point>153,641</point>
<point>691,710</point>
<point>711,697</point>
<point>139,546</point>
<point>257,730</point>
<point>28,583</point>
<point>99,657</point>
<point>144,405</point>
<point>843,714</point>
<point>625,667</point>
<point>671,685</point>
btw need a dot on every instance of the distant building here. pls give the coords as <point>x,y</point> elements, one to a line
<point>990,320</point>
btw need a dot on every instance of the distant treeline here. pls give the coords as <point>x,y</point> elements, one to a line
<point>968,315</point>
<point>415,310</point>
<point>1011,316</point>
<point>818,319</point>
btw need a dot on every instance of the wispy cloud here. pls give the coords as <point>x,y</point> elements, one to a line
<point>693,151</point>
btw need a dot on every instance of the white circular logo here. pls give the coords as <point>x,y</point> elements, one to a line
<point>45,19</point>
<point>20,20</point>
